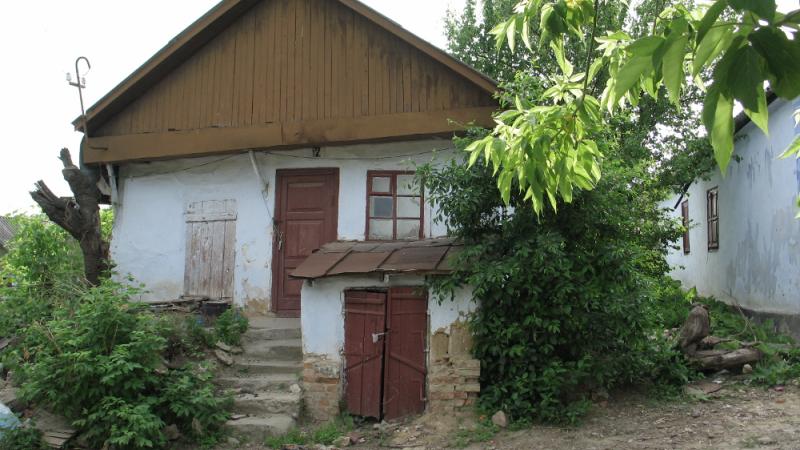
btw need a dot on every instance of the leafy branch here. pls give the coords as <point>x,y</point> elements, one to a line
<point>548,145</point>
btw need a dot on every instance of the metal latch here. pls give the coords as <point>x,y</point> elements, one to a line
<point>376,336</point>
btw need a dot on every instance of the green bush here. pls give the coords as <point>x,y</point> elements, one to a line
<point>99,363</point>
<point>230,326</point>
<point>568,301</point>
<point>22,438</point>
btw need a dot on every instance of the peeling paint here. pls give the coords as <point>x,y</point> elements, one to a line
<point>758,261</point>
<point>150,231</point>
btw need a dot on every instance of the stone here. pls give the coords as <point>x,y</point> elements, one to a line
<point>295,388</point>
<point>766,440</point>
<point>172,433</point>
<point>499,418</point>
<point>223,346</point>
<point>342,441</point>
<point>747,369</point>
<point>224,357</point>
<point>233,441</point>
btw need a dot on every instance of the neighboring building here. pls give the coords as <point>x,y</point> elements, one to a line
<point>268,129</point>
<point>6,234</point>
<point>743,243</point>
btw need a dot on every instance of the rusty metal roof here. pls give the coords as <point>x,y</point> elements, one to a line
<point>427,256</point>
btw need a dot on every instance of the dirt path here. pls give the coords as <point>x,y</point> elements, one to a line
<point>735,417</point>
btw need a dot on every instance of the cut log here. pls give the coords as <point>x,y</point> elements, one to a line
<point>724,359</point>
<point>696,327</point>
<point>709,342</point>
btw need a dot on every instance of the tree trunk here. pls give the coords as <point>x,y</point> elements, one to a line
<point>78,215</point>
<point>725,359</point>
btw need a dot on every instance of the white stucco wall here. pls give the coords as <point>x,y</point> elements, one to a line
<point>325,298</point>
<point>757,264</point>
<point>150,230</point>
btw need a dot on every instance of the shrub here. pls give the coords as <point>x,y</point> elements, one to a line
<point>99,363</point>
<point>568,301</point>
<point>22,438</point>
<point>229,327</point>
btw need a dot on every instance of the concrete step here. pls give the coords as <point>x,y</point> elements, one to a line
<point>266,403</point>
<point>258,383</point>
<point>282,349</point>
<point>256,429</point>
<point>268,334</point>
<point>245,366</point>
<point>280,323</point>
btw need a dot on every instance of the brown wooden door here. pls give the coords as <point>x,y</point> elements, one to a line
<point>306,216</point>
<point>365,316</point>
<point>404,370</point>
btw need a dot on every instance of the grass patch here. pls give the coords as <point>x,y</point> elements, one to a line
<point>483,431</point>
<point>324,434</point>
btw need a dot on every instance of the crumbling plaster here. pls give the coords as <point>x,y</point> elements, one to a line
<point>757,264</point>
<point>150,230</point>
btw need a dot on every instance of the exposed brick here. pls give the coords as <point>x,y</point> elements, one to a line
<point>470,387</point>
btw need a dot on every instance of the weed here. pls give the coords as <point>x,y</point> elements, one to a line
<point>325,434</point>
<point>483,431</point>
<point>230,326</point>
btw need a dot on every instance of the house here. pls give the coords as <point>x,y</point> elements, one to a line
<point>6,234</point>
<point>743,241</point>
<point>263,132</point>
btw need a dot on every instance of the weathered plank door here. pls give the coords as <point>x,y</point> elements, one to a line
<point>210,252</point>
<point>404,371</point>
<point>365,316</point>
<point>306,218</point>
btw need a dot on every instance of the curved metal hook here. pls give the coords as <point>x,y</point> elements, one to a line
<point>77,72</point>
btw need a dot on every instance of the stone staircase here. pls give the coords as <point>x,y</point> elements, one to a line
<point>266,378</point>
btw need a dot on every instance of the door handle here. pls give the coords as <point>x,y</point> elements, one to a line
<point>376,336</point>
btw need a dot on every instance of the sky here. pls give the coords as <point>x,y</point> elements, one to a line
<point>40,40</point>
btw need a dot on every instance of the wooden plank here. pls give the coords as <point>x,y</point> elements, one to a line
<point>229,259</point>
<point>228,64</point>
<point>284,61</point>
<point>328,72</point>
<point>284,135</point>
<point>363,62</point>
<point>217,260</point>
<point>320,69</point>
<point>189,260</point>
<point>406,59</point>
<point>304,57</point>
<point>291,60</point>
<point>259,66</point>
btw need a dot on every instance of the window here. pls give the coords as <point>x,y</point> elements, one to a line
<point>685,216</point>
<point>713,218</point>
<point>394,206</point>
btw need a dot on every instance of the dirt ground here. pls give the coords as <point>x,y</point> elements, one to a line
<point>734,417</point>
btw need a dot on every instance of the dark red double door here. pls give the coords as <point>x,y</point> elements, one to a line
<point>385,334</point>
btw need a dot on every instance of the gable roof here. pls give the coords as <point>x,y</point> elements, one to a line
<point>103,118</point>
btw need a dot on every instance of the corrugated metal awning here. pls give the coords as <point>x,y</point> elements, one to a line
<point>427,256</point>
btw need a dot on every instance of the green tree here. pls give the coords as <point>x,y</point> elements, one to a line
<point>546,145</point>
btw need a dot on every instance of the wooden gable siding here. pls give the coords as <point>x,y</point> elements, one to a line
<point>296,61</point>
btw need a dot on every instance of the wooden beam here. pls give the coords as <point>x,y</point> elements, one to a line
<point>323,132</point>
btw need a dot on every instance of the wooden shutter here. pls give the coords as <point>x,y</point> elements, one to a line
<point>712,204</point>
<point>210,254</point>
<point>685,216</point>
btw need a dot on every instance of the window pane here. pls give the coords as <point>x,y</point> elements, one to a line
<point>380,206</point>
<point>380,229</point>
<point>407,206</point>
<point>406,185</point>
<point>382,184</point>
<point>408,229</point>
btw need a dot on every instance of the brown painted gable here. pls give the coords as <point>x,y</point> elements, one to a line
<point>292,73</point>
